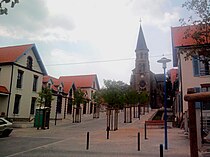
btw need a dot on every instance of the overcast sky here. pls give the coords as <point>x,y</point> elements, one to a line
<point>77,37</point>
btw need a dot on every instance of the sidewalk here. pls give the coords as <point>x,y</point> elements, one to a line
<point>123,142</point>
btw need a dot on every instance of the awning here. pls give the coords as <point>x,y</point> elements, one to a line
<point>4,91</point>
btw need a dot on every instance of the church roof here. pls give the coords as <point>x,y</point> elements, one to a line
<point>141,43</point>
<point>159,77</point>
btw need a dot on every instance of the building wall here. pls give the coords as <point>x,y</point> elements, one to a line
<point>5,76</point>
<point>26,91</point>
<point>3,104</point>
<point>23,60</point>
<point>189,80</point>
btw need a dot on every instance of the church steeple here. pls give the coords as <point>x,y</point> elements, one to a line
<point>141,43</point>
<point>140,80</point>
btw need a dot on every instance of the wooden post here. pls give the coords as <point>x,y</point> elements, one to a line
<point>192,97</point>
<point>192,126</point>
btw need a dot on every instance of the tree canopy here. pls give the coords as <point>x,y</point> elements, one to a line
<point>112,94</point>
<point>198,27</point>
<point>45,98</point>
<point>118,94</point>
<point>79,97</point>
<point>4,6</point>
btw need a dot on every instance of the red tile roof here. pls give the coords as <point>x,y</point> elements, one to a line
<point>11,53</point>
<point>4,90</point>
<point>178,34</point>
<point>68,86</point>
<point>56,82</point>
<point>81,80</point>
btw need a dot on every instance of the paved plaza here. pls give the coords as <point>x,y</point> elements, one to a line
<point>68,139</point>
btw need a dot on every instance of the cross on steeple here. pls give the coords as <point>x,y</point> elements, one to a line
<point>140,20</point>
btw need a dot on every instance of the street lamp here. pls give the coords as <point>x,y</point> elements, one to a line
<point>164,60</point>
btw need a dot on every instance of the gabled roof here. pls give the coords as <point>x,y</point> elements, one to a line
<point>12,54</point>
<point>81,81</point>
<point>68,86</point>
<point>141,43</point>
<point>4,90</point>
<point>178,40</point>
<point>56,82</point>
<point>178,35</point>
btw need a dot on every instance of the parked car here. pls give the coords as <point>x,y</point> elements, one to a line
<point>5,127</point>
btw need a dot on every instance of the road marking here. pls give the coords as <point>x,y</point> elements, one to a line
<point>37,148</point>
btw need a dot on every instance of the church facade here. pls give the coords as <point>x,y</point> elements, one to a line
<point>142,79</point>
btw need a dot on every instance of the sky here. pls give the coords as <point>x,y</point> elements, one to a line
<point>81,37</point>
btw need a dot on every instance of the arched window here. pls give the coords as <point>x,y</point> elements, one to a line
<point>29,62</point>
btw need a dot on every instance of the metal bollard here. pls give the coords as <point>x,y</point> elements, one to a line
<point>107,135</point>
<point>87,147</point>
<point>161,150</point>
<point>145,131</point>
<point>139,139</point>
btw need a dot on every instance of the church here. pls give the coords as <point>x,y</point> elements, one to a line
<point>142,79</point>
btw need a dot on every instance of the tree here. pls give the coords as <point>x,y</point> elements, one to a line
<point>130,96</point>
<point>143,99</point>
<point>3,8</point>
<point>130,100</point>
<point>113,95</point>
<point>97,97</point>
<point>198,28</point>
<point>45,98</point>
<point>97,101</point>
<point>79,97</point>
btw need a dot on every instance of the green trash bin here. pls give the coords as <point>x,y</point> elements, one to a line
<point>39,118</point>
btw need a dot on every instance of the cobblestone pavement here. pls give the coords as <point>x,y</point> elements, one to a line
<point>68,139</point>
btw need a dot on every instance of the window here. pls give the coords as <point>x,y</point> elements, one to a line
<point>69,107</point>
<point>35,83</point>
<point>94,84</point>
<point>17,104</point>
<point>33,101</point>
<point>201,66</point>
<point>19,79</point>
<point>29,62</point>
<point>49,85</point>
<point>59,104</point>
<point>143,67</point>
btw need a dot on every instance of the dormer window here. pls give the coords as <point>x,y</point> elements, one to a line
<point>49,85</point>
<point>60,89</point>
<point>29,62</point>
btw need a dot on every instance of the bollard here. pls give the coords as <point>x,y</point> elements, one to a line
<point>161,150</point>
<point>87,141</point>
<point>145,131</point>
<point>107,135</point>
<point>139,141</point>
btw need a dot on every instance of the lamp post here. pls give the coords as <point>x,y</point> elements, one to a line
<point>164,60</point>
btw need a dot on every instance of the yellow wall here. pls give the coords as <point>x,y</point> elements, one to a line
<point>27,85</point>
<point>189,80</point>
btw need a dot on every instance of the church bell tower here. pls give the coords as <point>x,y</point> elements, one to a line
<point>140,78</point>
